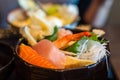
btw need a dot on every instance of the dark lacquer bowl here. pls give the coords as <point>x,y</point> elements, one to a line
<point>6,61</point>
<point>26,71</point>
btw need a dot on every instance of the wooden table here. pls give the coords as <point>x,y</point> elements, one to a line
<point>113,34</point>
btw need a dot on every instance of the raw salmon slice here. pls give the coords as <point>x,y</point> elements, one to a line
<point>31,56</point>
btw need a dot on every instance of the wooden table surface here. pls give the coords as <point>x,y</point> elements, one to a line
<point>113,34</point>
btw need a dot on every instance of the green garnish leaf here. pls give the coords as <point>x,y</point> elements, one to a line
<point>103,40</point>
<point>96,38</point>
<point>93,37</point>
<point>75,48</point>
<point>53,37</point>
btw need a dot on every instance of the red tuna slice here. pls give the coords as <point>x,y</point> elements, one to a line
<point>48,50</point>
<point>63,32</point>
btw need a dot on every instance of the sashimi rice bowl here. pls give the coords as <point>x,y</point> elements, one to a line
<point>63,50</point>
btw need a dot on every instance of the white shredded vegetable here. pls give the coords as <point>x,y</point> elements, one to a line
<point>92,50</point>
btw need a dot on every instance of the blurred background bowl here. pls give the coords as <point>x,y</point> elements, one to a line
<point>6,61</point>
<point>12,14</point>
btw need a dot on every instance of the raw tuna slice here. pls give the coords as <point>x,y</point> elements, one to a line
<point>48,50</point>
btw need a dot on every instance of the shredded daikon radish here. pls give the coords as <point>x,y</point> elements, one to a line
<point>82,49</point>
<point>92,50</point>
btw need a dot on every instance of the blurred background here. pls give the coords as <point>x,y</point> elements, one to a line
<point>104,14</point>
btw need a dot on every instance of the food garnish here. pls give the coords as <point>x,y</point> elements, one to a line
<point>53,37</point>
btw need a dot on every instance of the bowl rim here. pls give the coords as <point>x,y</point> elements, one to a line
<point>58,70</point>
<point>11,60</point>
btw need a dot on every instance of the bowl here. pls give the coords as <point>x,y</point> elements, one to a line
<point>16,17</point>
<point>6,61</point>
<point>26,71</point>
<point>16,24</point>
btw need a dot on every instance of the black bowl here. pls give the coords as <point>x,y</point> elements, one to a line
<point>26,71</point>
<point>6,61</point>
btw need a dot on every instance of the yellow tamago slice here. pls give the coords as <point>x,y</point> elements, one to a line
<point>72,62</point>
